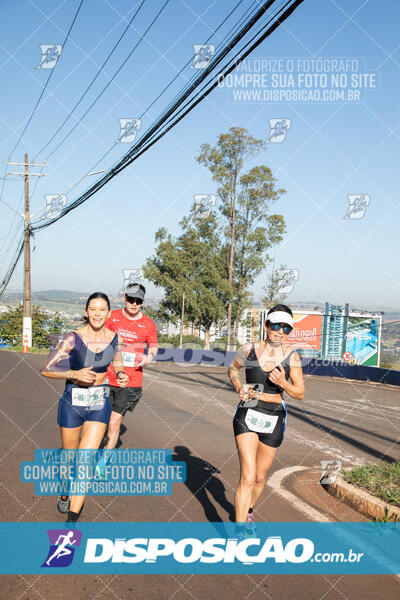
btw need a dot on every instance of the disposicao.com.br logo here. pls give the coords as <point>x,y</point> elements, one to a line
<point>201,548</point>
<point>214,550</point>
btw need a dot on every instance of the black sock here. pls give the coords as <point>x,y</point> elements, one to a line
<point>250,510</point>
<point>72,517</point>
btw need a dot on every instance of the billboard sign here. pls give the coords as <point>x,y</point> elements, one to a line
<point>363,339</point>
<point>306,334</point>
<point>362,336</point>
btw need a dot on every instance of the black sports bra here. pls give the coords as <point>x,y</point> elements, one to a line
<point>255,374</point>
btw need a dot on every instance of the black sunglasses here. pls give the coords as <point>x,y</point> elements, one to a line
<point>133,300</point>
<point>277,326</point>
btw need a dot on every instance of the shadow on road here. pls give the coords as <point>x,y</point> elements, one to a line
<point>301,414</point>
<point>222,380</point>
<point>192,380</point>
<point>200,479</point>
<point>350,426</point>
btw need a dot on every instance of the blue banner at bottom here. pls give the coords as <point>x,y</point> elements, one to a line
<point>200,548</point>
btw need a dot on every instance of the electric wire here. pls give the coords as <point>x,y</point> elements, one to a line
<point>155,133</point>
<point>91,83</point>
<point>47,83</point>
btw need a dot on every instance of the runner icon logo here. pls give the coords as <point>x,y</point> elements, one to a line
<point>203,54</point>
<point>50,55</point>
<point>286,280</point>
<point>131,276</point>
<point>54,205</point>
<point>128,130</point>
<point>203,205</point>
<point>357,206</point>
<point>278,129</point>
<point>329,471</point>
<point>61,551</point>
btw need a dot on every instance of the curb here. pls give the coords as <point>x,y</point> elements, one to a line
<point>365,503</point>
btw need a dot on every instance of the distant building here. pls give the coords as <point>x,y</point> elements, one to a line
<point>248,330</point>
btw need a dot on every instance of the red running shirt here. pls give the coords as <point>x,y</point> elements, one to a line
<point>136,334</point>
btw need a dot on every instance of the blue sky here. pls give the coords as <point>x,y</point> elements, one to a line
<point>332,149</point>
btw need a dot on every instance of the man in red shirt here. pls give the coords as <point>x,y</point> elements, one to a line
<point>137,331</point>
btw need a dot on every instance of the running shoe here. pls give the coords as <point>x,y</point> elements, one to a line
<point>63,503</point>
<point>239,533</point>
<point>250,526</point>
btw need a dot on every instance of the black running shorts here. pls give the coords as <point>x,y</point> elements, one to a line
<point>123,399</point>
<point>267,419</point>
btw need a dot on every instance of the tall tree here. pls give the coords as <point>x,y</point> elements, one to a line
<point>256,232</point>
<point>245,203</point>
<point>225,161</point>
<point>277,280</point>
<point>190,263</point>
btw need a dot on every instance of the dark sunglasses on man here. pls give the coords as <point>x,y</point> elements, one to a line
<point>133,300</point>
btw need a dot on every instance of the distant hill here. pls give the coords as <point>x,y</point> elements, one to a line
<point>60,296</point>
<point>47,295</point>
<point>68,297</point>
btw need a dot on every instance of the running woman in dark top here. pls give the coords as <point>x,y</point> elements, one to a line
<point>260,418</point>
<point>82,358</point>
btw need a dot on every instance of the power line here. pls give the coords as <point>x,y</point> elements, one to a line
<point>12,267</point>
<point>47,82</point>
<point>108,84</point>
<point>137,150</point>
<point>236,26</point>
<point>91,83</point>
<point>248,25</point>
<point>153,135</point>
<point>190,60</point>
<point>192,102</point>
<point>33,112</point>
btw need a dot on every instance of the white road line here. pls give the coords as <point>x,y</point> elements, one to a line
<point>337,453</point>
<point>275,482</point>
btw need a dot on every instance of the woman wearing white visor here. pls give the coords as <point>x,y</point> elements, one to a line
<point>260,418</point>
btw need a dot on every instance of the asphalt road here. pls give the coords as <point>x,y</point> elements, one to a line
<point>189,409</point>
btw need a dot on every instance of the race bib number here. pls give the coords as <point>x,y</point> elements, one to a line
<point>91,397</point>
<point>260,422</point>
<point>128,359</point>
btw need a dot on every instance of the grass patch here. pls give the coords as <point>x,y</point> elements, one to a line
<point>32,350</point>
<point>382,481</point>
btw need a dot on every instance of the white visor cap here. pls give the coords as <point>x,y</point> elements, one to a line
<point>280,317</point>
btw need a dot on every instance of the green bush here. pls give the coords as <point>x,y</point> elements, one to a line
<point>218,344</point>
<point>188,341</point>
<point>43,325</point>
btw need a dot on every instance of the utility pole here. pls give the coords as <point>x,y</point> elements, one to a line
<point>27,308</point>
<point>27,314</point>
<point>182,316</point>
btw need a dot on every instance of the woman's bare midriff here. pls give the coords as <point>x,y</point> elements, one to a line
<point>272,398</point>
